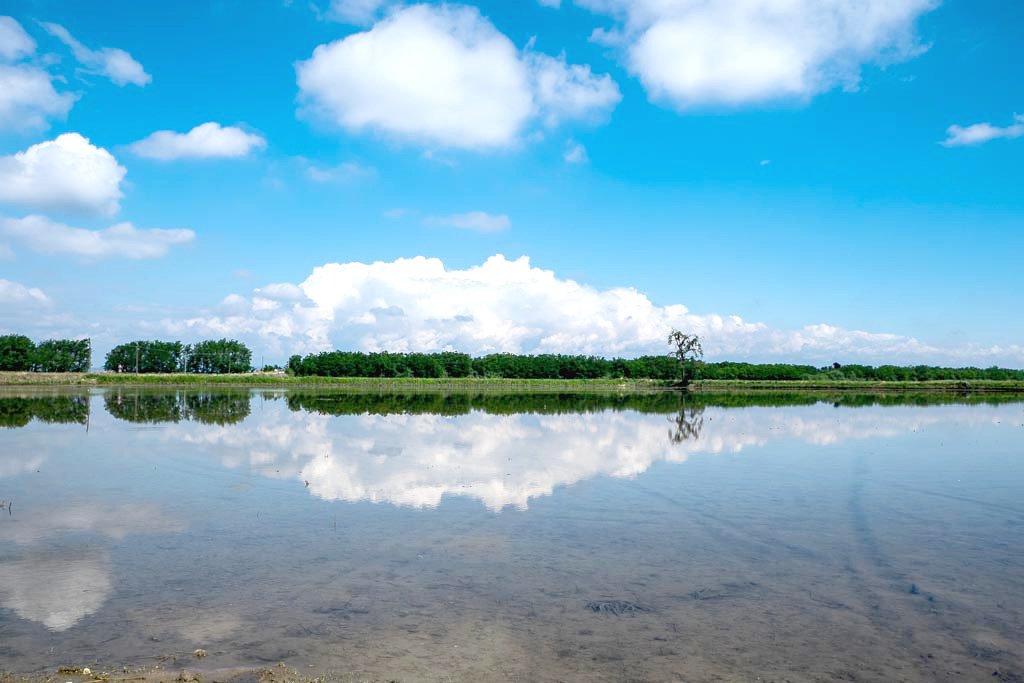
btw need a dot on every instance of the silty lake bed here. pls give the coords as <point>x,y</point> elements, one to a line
<point>513,537</point>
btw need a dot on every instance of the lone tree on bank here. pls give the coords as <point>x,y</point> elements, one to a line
<point>688,353</point>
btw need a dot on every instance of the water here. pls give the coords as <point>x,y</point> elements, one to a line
<point>510,537</point>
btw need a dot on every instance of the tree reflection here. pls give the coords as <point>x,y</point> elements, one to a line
<point>205,407</point>
<point>462,403</point>
<point>687,423</point>
<point>19,411</point>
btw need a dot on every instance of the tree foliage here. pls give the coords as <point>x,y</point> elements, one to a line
<point>222,356</point>
<point>19,411</point>
<point>16,352</point>
<point>62,355</point>
<point>554,366</point>
<point>207,407</point>
<point>145,356</point>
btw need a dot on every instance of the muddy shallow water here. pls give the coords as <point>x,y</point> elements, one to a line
<point>546,538</point>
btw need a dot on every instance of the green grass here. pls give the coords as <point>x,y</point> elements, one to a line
<point>500,384</point>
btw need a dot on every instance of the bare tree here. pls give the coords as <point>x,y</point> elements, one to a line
<point>688,353</point>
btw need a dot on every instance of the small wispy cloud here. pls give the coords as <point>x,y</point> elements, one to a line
<point>342,173</point>
<point>15,43</point>
<point>979,133</point>
<point>575,153</point>
<point>397,213</point>
<point>17,294</point>
<point>124,240</point>
<point>477,221</point>
<point>114,63</point>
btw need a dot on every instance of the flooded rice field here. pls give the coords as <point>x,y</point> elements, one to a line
<point>512,537</point>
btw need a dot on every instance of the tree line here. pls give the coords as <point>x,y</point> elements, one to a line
<point>558,366</point>
<point>18,411</point>
<point>222,356</point>
<point>20,354</point>
<point>206,407</point>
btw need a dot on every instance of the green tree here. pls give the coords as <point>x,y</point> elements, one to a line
<point>16,352</point>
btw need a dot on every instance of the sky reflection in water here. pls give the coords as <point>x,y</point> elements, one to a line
<point>188,517</point>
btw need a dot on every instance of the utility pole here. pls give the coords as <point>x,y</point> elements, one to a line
<point>136,358</point>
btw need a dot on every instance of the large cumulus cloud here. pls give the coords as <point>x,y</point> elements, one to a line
<point>501,305</point>
<point>445,76</point>
<point>733,52</point>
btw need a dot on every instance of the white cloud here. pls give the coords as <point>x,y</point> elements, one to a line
<point>551,3</point>
<point>569,91</point>
<point>112,62</point>
<point>121,240</point>
<point>67,173</point>
<point>206,141</point>
<point>503,305</point>
<point>477,221</point>
<point>27,96</point>
<point>731,52</point>
<point>17,294</point>
<point>444,75</point>
<point>575,153</point>
<point>14,42</point>
<point>358,12</point>
<point>28,99</point>
<point>982,132</point>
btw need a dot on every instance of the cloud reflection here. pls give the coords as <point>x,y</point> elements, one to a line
<point>59,587</point>
<point>507,460</point>
<point>112,521</point>
<point>56,588</point>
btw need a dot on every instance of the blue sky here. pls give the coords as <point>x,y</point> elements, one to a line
<point>810,181</point>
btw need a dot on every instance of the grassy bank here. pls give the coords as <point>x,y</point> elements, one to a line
<point>500,384</point>
<point>278,380</point>
<point>862,386</point>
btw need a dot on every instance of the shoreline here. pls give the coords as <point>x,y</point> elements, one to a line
<point>257,380</point>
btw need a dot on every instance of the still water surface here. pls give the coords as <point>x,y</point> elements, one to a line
<point>511,537</point>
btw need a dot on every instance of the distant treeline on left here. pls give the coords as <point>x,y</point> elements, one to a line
<point>19,353</point>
